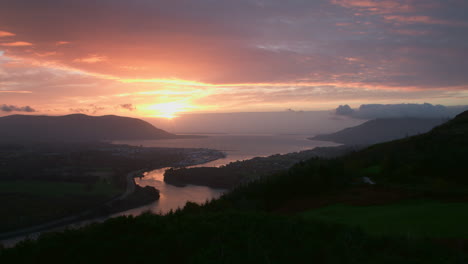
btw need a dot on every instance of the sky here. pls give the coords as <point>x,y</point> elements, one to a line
<point>152,58</point>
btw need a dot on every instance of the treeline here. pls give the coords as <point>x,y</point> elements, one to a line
<point>234,173</point>
<point>224,237</point>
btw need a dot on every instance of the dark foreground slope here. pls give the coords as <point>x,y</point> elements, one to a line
<point>431,165</point>
<point>225,237</point>
<point>381,130</point>
<point>438,157</point>
<point>76,127</point>
<point>250,225</point>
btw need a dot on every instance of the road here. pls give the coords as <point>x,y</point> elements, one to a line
<point>34,231</point>
<point>130,184</point>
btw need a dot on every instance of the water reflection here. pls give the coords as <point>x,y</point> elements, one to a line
<point>237,147</point>
<point>171,197</point>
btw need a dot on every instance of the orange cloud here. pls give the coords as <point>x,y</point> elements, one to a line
<point>91,59</point>
<point>46,54</point>
<point>6,34</point>
<point>16,44</point>
<point>411,19</point>
<point>380,7</point>
<point>17,92</point>
<point>59,43</point>
<point>343,24</point>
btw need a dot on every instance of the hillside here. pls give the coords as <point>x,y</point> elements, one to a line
<point>381,130</point>
<point>76,127</point>
<point>438,157</point>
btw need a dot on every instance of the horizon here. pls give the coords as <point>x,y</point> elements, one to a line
<point>289,122</point>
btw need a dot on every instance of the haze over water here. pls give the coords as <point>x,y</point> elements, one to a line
<point>237,147</point>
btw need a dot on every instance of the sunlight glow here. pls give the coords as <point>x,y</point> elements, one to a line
<point>167,110</point>
<point>165,81</point>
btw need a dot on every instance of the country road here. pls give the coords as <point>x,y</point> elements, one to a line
<point>35,231</point>
<point>130,184</point>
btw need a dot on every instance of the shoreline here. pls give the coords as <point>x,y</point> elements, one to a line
<point>56,226</point>
<point>236,173</point>
<point>97,214</point>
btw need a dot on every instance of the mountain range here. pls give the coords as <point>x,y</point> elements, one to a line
<point>76,128</point>
<point>381,130</point>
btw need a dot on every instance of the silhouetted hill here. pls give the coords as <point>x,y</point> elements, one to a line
<point>437,157</point>
<point>76,127</point>
<point>456,126</point>
<point>381,130</point>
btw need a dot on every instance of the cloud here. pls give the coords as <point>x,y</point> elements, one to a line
<point>240,55</point>
<point>6,34</point>
<point>14,108</point>
<point>15,92</point>
<point>46,54</point>
<point>373,111</point>
<point>379,7</point>
<point>58,43</point>
<point>90,109</point>
<point>422,20</point>
<point>344,110</point>
<point>91,59</point>
<point>16,44</point>
<point>129,107</point>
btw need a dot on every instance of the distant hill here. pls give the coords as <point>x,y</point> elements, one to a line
<point>381,130</point>
<point>76,127</point>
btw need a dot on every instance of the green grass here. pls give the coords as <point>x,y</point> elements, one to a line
<point>57,189</point>
<point>372,170</point>
<point>35,202</point>
<point>416,218</point>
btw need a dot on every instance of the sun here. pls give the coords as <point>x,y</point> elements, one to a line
<point>167,110</point>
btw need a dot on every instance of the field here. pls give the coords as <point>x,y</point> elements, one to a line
<point>57,189</point>
<point>29,203</point>
<point>414,218</point>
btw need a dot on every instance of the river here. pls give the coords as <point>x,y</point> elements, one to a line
<point>236,147</point>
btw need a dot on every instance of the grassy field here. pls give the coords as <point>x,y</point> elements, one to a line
<point>34,202</point>
<point>416,218</point>
<point>57,189</point>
